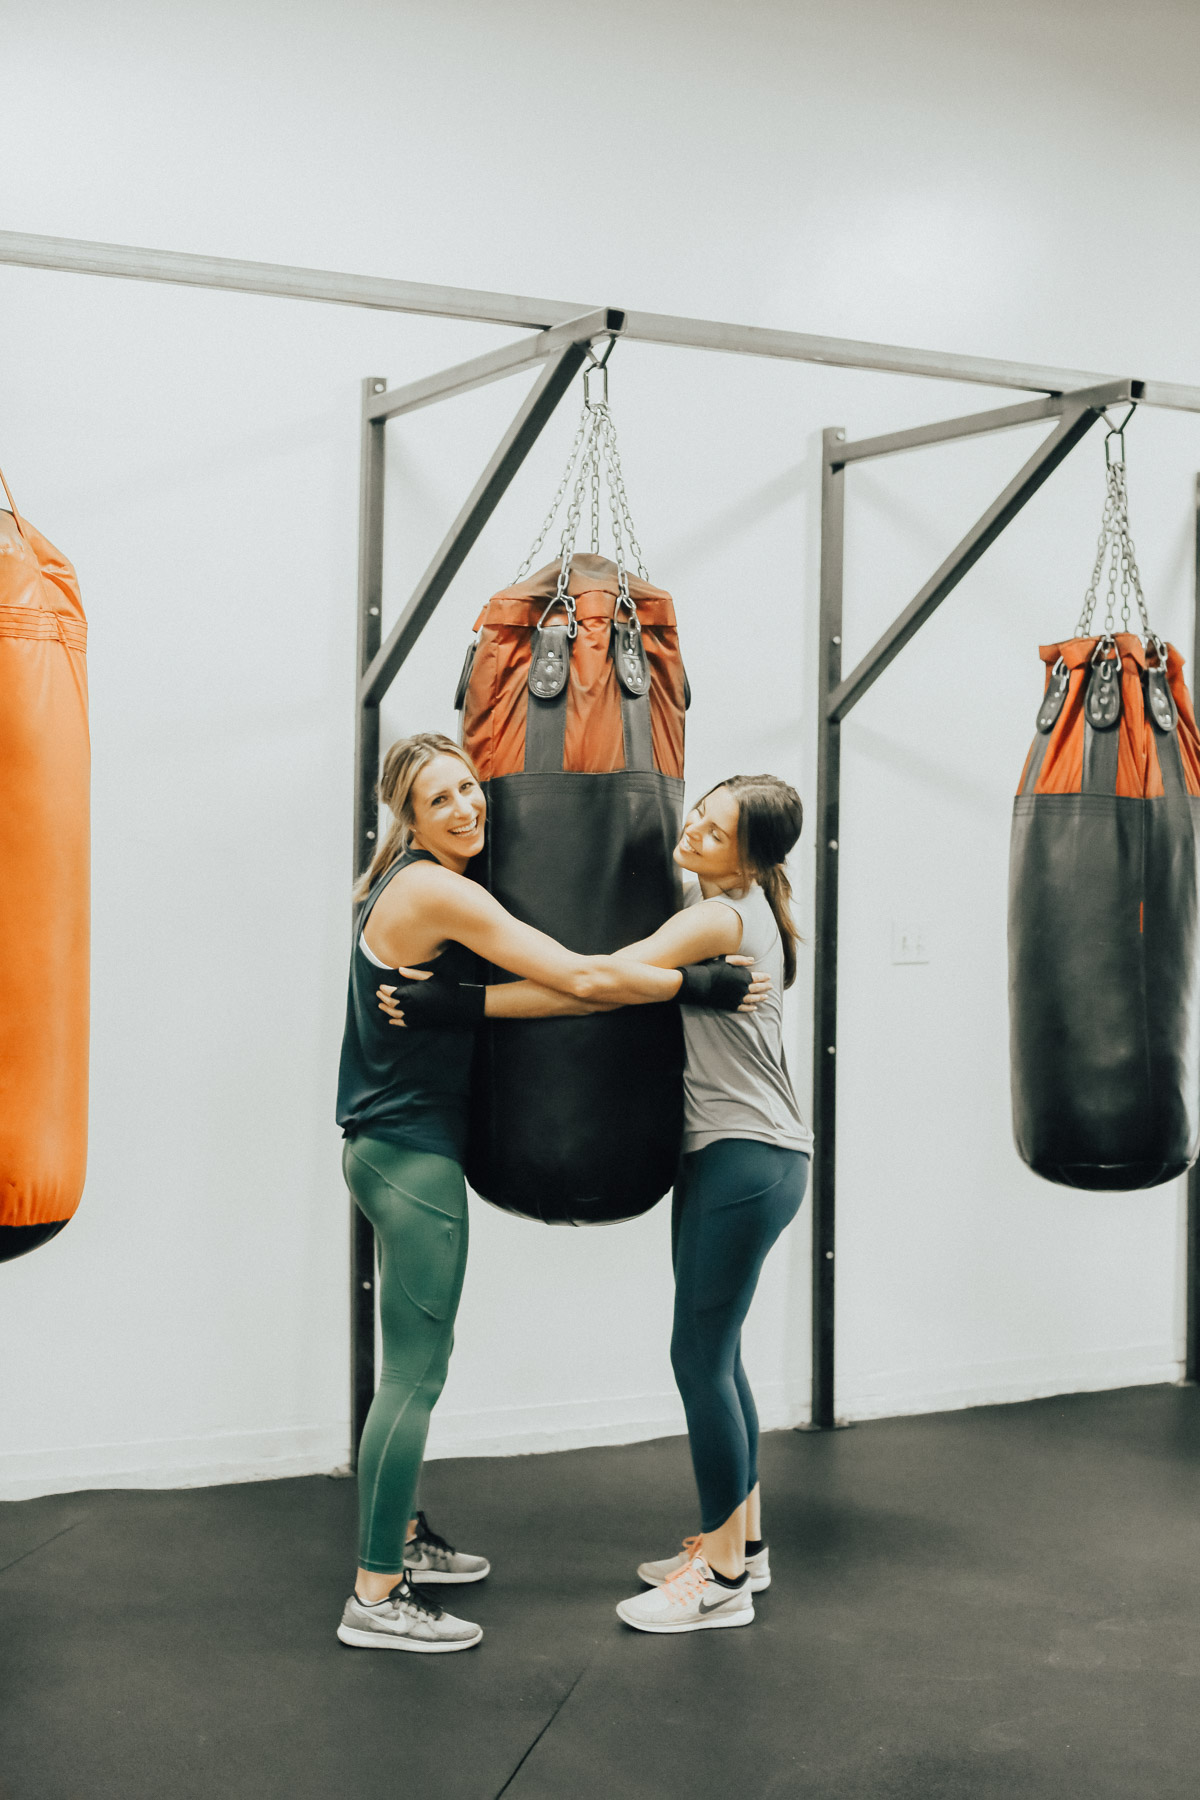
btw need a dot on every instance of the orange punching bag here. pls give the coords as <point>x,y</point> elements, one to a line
<point>45,763</point>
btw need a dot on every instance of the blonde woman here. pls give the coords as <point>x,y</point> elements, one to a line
<point>402,1105</point>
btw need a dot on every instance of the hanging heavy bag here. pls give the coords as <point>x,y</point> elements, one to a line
<point>1104,951</point>
<point>44,776</point>
<point>573,709</point>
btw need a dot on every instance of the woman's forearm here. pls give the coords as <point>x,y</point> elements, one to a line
<point>608,982</point>
<point>616,981</point>
<point>530,1000</point>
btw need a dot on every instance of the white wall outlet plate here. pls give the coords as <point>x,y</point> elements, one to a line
<point>910,941</point>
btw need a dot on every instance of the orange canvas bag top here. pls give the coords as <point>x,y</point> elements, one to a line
<point>573,700</point>
<point>45,765</point>
<point>1104,946</point>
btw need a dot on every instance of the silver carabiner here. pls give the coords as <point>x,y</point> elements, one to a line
<point>1100,656</point>
<point>1112,458</point>
<point>625,598</point>
<point>566,601</point>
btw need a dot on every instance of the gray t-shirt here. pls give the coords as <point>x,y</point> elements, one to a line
<point>735,1082</point>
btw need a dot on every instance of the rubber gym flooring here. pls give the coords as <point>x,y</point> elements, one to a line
<point>970,1606</point>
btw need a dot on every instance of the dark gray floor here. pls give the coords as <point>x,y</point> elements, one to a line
<point>985,1604</point>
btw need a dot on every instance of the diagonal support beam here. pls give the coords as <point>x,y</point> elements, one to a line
<point>511,452</point>
<point>1079,413</point>
<point>608,321</point>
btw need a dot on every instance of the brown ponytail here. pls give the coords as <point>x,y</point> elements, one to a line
<point>401,766</point>
<point>770,819</point>
<point>778,889</point>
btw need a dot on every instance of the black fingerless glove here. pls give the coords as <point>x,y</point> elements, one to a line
<point>718,984</point>
<point>440,1002</point>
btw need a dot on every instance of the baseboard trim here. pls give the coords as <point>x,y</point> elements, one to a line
<point>227,1457</point>
<point>901,1393</point>
<point>214,1461</point>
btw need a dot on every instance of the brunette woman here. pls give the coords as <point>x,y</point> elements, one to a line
<point>742,1179</point>
<point>402,1104</point>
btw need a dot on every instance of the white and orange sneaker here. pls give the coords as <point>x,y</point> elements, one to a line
<point>758,1566</point>
<point>691,1599</point>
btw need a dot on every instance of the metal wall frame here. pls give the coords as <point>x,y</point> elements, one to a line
<point>1076,413</point>
<point>563,333</point>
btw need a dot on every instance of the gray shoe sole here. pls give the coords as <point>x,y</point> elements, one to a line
<point>715,1622</point>
<point>431,1577</point>
<point>384,1640</point>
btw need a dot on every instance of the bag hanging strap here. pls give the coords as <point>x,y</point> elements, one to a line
<point>12,504</point>
<point>546,701</point>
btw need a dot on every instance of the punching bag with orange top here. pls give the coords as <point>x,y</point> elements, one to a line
<point>1104,935</point>
<point>44,883</point>
<point>573,705</point>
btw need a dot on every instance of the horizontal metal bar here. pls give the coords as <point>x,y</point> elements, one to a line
<point>606,322</point>
<point>851,353</point>
<point>83,258</point>
<point>86,258</point>
<point>945,430</point>
<point>510,453</point>
<point>1078,418</point>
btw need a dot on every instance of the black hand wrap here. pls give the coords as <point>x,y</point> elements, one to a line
<point>719,984</point>
<point>440,1002</point>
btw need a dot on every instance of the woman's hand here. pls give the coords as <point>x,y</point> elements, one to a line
<point>452,1003</point>
<point>386,996</point>
<point>760,985</point>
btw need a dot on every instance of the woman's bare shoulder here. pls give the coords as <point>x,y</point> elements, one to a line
<point>420,886</point>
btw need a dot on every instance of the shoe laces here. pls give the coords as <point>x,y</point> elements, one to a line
<point>406,1594</point>
<point>684,1585</point>
<point>431,1539</point>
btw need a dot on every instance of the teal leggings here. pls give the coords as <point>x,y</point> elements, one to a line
<point>417,1203</point>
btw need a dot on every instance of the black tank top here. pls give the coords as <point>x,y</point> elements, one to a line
<point>408,1085</point>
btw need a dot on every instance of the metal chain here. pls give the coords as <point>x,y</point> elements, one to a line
<point>542,535</point>
<point>614,507</point>
<point>1115,547</point>
<point>566,548</point>
<point>617,482</point>
<point>595,506</point>
<point>593,458</point>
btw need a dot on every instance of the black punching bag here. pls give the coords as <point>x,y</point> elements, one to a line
<point>1104,950</point>
<point>573,711</point>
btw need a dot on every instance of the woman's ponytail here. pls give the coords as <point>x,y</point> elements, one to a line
<point>778,889</point>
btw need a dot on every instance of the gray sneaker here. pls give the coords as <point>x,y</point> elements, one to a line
<point>758,1567</point>
<point>406,1620</point>
<point>689,1600</point>
<point>429,1558</point>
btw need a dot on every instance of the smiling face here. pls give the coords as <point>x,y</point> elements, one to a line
<point>448,812</point>
<point>709,843</point>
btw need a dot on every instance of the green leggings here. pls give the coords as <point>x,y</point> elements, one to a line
<point>417,1203</point>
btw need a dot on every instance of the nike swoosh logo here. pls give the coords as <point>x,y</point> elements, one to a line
<point>717,1604</point>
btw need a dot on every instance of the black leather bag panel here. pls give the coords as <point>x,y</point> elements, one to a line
<point>579,1121</point>
<point>1104,987</point>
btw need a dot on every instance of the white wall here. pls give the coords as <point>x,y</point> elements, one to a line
<point>1014,183</point>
